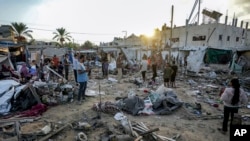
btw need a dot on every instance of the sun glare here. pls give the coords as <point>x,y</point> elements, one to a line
<point>149,34</point>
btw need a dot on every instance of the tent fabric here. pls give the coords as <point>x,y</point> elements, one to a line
<point>3,58</point>
<point>5,101</point>
<point>217,56</point>
<point>15,97</point>
<point>132,105</point>
<point>167,103</point>
<point>5,85</point>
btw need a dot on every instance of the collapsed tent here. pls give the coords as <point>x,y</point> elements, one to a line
<point>159,102</point>
<point>240,62</point>
<point>16,97</point>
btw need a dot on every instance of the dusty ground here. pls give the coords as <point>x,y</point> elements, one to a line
<point>189,126</point>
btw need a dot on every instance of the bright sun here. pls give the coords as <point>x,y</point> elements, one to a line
<point>149,34</point>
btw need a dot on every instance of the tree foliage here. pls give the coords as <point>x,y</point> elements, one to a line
<point>88,45</point>
<point>61,35</point>
<point>21,32</point>
<point>72,45</point>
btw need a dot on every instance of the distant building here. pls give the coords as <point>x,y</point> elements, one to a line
<point>6,33</point>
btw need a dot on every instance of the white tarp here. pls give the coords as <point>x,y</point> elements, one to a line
<point>130,55</point>
<point>5,104</point>
<point>6,93</point>
<point>195,59</point>
<point>112,65</point>
<point>6,84</point>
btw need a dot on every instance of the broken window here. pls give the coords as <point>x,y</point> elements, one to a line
<point>237,39</point>
<point>220,37</point>
<point>199,38</point>
<point>175,40</point>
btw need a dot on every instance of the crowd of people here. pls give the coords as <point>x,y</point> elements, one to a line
<point>232,97</point>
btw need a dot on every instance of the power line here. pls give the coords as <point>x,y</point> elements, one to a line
<point>71,32</point>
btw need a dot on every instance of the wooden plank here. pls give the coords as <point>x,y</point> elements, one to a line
<point>149,131</point>
<point>64,80</point>
<point>17,130</point>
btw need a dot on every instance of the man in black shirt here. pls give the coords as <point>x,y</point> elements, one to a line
<point>175,69</point>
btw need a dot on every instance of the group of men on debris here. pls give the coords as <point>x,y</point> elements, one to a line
<point>169,70</point>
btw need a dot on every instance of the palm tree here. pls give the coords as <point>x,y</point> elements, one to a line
<point>61,35</point>
<point>21,32</point>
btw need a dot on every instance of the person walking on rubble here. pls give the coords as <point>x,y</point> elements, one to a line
<point>168,71</point>
<point>173,76</point>
<point>233,98</point>
<point>143,67</point>
<point>119,66</point>
<point>82,79</point>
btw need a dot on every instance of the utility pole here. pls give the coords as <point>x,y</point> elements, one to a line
<point>124,38</point>
<point>171,32</point>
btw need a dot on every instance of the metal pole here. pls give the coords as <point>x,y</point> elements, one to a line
<point>124,38</point>
<point>171,32</point>
<point>199,5</point>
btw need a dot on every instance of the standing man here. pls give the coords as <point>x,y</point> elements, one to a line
<point>173,76</point>
<point>167,74</point>
<point>119,67</point>
<point>82,79</point>
<point>66,65</point>
<point>75,63</point>
<point>154,67</point>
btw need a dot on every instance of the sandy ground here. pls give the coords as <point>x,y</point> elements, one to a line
<point>181,122</point>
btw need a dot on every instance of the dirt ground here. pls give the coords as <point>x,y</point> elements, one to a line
<point>190,127</point>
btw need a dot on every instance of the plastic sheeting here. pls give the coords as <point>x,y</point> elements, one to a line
<point>5,104</point>
<point>195,60</point>
<point>218,56</point>
<point>132,105</point>
<point>6,85</point>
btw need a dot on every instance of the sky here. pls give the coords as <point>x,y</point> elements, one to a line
<point>102,20</point>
